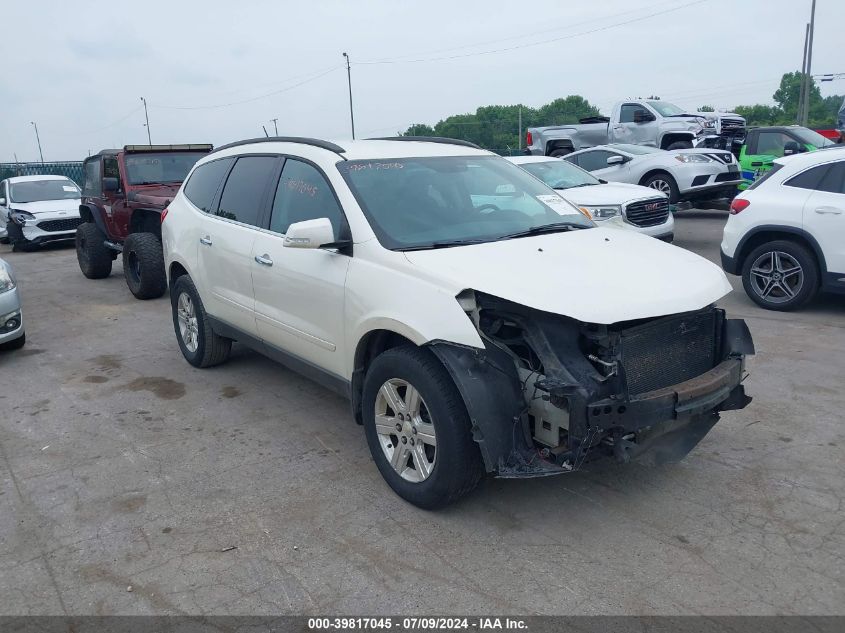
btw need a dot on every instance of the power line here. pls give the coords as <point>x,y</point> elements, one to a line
<point>532,44</point>
<point>105,127</point>
<point>250,100</point>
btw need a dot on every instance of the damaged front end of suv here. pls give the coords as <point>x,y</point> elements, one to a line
<point>548,392</point>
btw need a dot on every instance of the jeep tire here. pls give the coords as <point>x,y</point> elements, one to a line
<point>143,265</point>
<point>94,257</point>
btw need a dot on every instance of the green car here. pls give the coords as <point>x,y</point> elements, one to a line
<point>764,144</point>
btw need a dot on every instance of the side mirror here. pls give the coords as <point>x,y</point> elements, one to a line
<point>310,234</point>
<point>615,160</point>
<point>790,148</point>
<point>111,185</point>
<point>2,202</point>
<point>642,116</point>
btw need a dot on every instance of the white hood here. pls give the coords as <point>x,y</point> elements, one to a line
<point>592,275</point>
<point>611,193</point>
<point>71,205</point>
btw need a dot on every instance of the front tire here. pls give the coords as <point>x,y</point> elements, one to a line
<point>143,266</point>
<point>781,275</point>
<point>19,243</point>
<point>665,183</point>
<point>94,257</point>
<point>200,345</point>
<point>418,429</point>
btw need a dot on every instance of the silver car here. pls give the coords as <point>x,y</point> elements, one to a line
<point>11,320</point>
<point>683,175</point>
<point>38,209</point>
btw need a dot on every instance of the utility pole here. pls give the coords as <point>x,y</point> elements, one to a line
<point>349,80</point>
<point>520,129</point>
<point>147,124</point>
<point>38,138</point>
<point>809,75</point>
<point>800,115</point>
<point>275,127</point>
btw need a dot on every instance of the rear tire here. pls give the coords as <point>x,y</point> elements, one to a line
<point>680,145</point>
<point>775,270</point>
<point>454,467</point>
<point>143,265</point>
<point>201,346</point>
<point>665,183</point>
<point>12,345</point>
<point>559,153</point>
<point>94,257</point>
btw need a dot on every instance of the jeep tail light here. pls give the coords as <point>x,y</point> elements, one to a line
<point>529,140</point>
<point>164,214</point>
<point>739,204</point>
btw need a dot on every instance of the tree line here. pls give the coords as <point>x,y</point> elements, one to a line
<point>496,127</point>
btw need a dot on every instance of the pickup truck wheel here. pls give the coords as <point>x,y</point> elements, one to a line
<point>94,257</point>
<point>143,265</point>
<point>665,183</point>
<point>418,429</point>
<point>780,275</point>
<point>558,153</point>
<point>680,145</point>
<point>200,345</point>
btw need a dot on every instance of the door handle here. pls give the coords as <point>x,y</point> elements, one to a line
<point>206,240</point>
<point>828,211</point>
<point>264,260</point>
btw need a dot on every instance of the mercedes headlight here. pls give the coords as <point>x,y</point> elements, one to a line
<point>602,212</point>
<point>7,281</point>
<point>692,158</point>
<point>22,217</point>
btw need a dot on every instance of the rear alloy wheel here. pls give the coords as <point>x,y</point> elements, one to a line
<point>664,183</point>
<point>200,345</point>
<point>418,429</point>
<point>94,257</point>
<point>780,275</point>
<point>143,266</point>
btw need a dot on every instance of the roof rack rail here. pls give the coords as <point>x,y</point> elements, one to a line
<point>428,139</point>
<point>316,142</point>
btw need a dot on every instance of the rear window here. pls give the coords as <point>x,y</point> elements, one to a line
<point>204,182</point>
<point>775,168</point>
<point>810,179</point>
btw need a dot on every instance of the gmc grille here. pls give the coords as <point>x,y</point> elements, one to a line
<point>670,350</point>
<point>55,226</point>
<point>647,212</point>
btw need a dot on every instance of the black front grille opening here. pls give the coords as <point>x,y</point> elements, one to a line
<point>669,351</point>
<point>728,177</point>
<point>700,180</point>
<point>68,224</point>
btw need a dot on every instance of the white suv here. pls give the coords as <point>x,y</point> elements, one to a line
<point>477,321</point>
<point>786,233</point>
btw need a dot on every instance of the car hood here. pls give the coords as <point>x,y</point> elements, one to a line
<point>611,193</point>
<point>593,275</point>
<point>71,205</point>
<point>159,195</point>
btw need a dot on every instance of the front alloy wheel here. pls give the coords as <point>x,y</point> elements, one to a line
<point>405,431</point>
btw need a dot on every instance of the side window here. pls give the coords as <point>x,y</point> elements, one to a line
<point>302,194</point>
<point>244,189</point>
<point>111,170</point>
<point>592,161</point>
<point>626,114</point>
<point>203,184</point>
<point>834,179</point>
<point>772,143</point>
<point>91,186</point>
<point>810,179</point>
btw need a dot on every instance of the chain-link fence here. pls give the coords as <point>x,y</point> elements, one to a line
<point>71,169</point>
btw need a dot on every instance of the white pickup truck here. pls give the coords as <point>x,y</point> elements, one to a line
<point>641,122</point>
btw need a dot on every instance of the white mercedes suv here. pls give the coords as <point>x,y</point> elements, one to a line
<point>477,321</point>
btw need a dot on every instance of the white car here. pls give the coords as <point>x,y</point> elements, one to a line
<point>786,233</point>
<point>38,209</point>
<point>683,175</point>
<point>630,206</point>
<point>465,308</point>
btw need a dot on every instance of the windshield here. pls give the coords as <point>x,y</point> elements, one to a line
<point>35,190</point>
<point>450,200</point>
<point>559,174</point>
<point>665,108</point>
<point>636,149</point>
<point>809,137</point>
<point>166,167</point>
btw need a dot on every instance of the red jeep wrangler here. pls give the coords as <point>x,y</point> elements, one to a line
<point>124,193</point>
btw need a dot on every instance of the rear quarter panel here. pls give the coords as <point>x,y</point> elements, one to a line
<point>180,233</point>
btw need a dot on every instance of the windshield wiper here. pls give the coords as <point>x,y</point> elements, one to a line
<point>443,244</point>
<point>583,184</point>
<point>546,228</point>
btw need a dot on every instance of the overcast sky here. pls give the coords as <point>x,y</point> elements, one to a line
<point>79,68</point>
